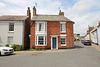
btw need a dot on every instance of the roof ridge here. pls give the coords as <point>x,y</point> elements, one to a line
<point>46,15</point>
<point>15,15</point>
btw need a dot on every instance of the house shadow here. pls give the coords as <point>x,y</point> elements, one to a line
<point>77,46</point>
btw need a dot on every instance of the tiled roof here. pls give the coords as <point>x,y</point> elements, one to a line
<point>12,17</point>
<point>50,18</point>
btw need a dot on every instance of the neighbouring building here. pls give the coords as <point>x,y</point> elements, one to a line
<point>88,35</point>
<point>95,40</point>
<point>92,35</point>
<point>15,29</point>
<point>98,28</point>
<point>76,37</point>
<point>82,37</point>
<point>51,31</point>
<point>95,35</point>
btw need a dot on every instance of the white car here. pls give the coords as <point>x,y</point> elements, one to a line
<point>6,50</point>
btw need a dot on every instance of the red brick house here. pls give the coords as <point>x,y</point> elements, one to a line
<point>51,31</point>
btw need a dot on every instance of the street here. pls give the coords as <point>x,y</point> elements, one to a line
<point>82,56</point>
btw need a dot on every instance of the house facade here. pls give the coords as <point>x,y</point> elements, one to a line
<point>92,35</point>
<point>51,31</point>
<point>15,30</point>
<point>95,35</point>
<point>76,37</point>
<point>98,29</point>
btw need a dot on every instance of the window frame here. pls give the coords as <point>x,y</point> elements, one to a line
<point>10,27</point>
<point>8,39</point>
<point>62,23</point>
<point>37,41</point>
<point>43,28</point>
<point>65,40</point>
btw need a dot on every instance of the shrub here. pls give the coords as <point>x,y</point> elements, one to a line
<point>17,47</point>
<point>14,47</point>
<point>38,49</point>
<point>7,45</point>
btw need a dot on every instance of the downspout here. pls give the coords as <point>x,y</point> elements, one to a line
<point>23,21</point>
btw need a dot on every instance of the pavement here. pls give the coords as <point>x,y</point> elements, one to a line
<point>96,46</point>
<point>82,56</point>
<point>44,51</point>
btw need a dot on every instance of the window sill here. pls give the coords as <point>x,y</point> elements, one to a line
<point>11,32</point>
<point>63,32</point>
<point>63,44</point>
<point>40,45</point>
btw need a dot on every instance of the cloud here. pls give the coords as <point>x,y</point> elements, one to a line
<point>82,12</point>
<point>2,5</point>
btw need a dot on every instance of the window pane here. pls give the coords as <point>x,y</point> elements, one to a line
<point>41,27</point>
<point>40,40</point>
<point>45,40</point>
<point>45,26</point>
<point>36,27</point>
<point>36,40</point>
<point>62,27</point>
<point>63,41</point>
<point>10,40</point>
<point>11,26</point>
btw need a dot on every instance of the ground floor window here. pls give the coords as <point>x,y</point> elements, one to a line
<point>63,41</point>
<point>40,40</point>
<point>10,40</point>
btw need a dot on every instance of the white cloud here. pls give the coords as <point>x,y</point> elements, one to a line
<point>82,15</point>
<point>83,12</point>
<point>2,5</point>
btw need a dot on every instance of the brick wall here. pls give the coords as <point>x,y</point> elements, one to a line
<point>53,28</point>
<point>70,34</point>
<point>32,32</point>
<point>26,33</point>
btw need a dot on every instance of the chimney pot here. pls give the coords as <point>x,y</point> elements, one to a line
<point>28,11</point>
<point>99,23</point>
<point>61,13</point>
<point>34,11</point>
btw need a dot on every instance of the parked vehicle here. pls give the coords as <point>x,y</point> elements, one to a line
<point>87,42</point>
<point>82,41</point>
<point>6,50</point>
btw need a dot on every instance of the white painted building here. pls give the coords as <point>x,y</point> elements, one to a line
<point>14,30</point>
<point>87,37</point>
<point>98,30</point>
<point>95,37</point>
<point>92,35</point>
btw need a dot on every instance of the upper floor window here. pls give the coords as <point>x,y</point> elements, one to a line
<point>41,27</point>
<point>11,26</point>
<point>63,27</point>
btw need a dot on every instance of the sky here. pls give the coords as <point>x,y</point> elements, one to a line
<point>82,12</point>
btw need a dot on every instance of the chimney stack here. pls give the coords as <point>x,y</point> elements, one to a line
<point>29,12</point>
<point>61,13</point>
<point>99,23</point>
<point>34,11</point>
